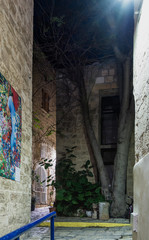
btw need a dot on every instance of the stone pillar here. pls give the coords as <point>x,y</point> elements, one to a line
<point>103,210</point>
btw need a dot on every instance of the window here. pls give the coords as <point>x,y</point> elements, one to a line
<point>45,101</point>
<point>109,119</point>
<point>110,108</point>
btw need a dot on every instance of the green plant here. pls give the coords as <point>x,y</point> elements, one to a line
<point>46,163</point>
<point>73,188</point>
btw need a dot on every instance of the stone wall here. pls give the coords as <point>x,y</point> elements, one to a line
<point>105,83</point>
<point>16,34</point>
<point>44,116</point>
<point>141,93</point>
<point>100,80</point>
<point>141,86</point>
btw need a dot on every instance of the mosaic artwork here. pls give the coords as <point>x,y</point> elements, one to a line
<point>10,131</point>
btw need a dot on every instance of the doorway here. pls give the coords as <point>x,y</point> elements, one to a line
<point>110,108</point>
<point>40,186</point>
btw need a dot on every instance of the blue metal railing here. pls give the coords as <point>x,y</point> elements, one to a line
<point>16,234</point>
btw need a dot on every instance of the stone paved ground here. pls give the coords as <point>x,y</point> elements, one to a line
<point>43,233</point>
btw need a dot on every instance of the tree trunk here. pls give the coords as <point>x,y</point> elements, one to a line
<point>104,179</point>
<point>118,207</point>
<point>92,157</point>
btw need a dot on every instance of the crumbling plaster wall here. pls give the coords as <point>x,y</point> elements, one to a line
<point>16,37</point>
<point>141,93</point>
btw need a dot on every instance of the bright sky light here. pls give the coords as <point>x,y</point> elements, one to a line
<point>125,2</point>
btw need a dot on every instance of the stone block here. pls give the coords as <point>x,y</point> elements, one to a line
<point>99,80</point>
<point>89,213</point>
<point>103,210</point>
<point>104,72</point>
<point>109,79</point>
<point>111,71</point>
<point>94,214</point>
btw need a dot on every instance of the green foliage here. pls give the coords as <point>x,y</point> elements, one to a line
<point>35,177</point>
<point>36,121</point>
<point>73,188</point>
<point>59,21</point>
<point>46,163</point>
<point>50,132</point>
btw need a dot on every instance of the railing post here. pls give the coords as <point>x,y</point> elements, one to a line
<point>52,228</point>
<point>18,232</point>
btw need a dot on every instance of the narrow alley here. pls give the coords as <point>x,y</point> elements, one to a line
<point>74,119</point>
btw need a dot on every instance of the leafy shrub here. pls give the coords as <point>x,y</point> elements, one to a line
<point>73,188</point>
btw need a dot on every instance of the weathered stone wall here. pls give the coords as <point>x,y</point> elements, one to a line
<point>100,80</point>
<point>44,122</point>
<point>105,83</point>
<point>141,85</point>
<point>16,34</point>
<point>141,93</point>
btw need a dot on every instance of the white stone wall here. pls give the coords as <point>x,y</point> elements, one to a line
<point>141,83</point>
<point>141,196</point>
<point>16,37</point>
<point>141,93</point>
